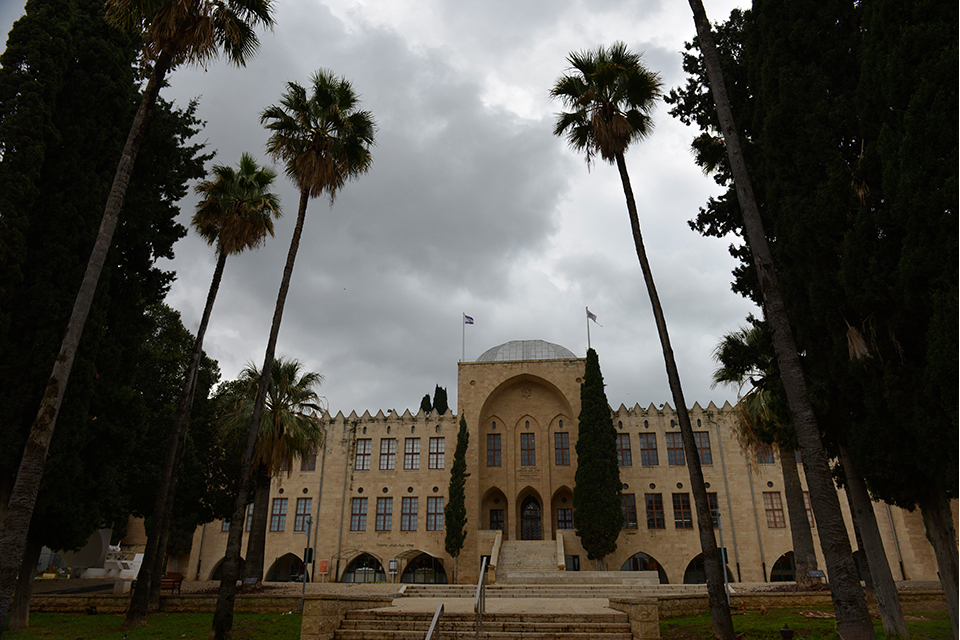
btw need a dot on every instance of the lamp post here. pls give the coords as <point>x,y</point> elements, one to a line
<point>308,519</point>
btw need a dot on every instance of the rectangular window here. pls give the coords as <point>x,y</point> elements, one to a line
<point>564,518</point>
<point>714,507</point>
<point>655,518</point>
<point>304,506</point>
<point>806,503</point>
<point>435,514</point>
<point>702,438</point>
<point>682,516</point>
<point>388,454</point>
<point>675,449</point>
<point>774,508</point>
<point>493,449</point>
<point>249,523</point>
<point>648,450</point>
<point>628,503</point>
<point>561,448</point>
<point>496,519</point>
<point>528,450</point>
<point>384,514</point>
<point>624,456</point>
<point>364,446</point>
<point>437,450</point>
<point>411,453</point>
<point>358,515</point>
<point>278,515</point>
<point>224,525</point>
<point>309,461</point>
<point>408,516</point>
<point>765,454</point>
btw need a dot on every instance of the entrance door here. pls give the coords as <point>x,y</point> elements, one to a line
<point>530,527</point>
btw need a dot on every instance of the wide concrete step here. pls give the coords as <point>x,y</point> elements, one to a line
<point>382,624</point>
<point>550,591</point>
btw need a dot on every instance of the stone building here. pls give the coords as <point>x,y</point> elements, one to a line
<point>376,491</point>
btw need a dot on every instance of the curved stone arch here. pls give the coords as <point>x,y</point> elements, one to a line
<point>488,503</point>
<point>562,498</point>
<point>217,572</point>
<point>422,568</point>
<point>784,569</point>
<point>525,499</point>
<point>494,394</point>
<point>364,567</point>
<point>286,568</point>
<point>694,573</point>
<point>641,561</point>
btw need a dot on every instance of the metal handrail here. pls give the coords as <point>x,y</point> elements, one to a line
<point>433,633</point>
<point>480,600</point>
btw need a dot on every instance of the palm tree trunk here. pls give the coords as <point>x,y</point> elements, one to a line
<point>20,613</point>
<point>935,507</point>
<point>861,507</point>
<point>853,619</point>
<point>716,594</point>
<point>13,530</point>
<point>223,615</point>
<point>256,541</point>
<point>148,577</point>
<point>804,554</point>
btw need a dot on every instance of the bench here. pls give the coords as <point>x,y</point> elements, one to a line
<point>171,581</point>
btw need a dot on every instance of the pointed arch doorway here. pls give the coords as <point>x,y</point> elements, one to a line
<point>531,516</point>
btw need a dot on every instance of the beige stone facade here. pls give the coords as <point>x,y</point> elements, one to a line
<point>376,491</point>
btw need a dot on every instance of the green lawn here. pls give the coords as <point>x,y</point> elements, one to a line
<point>189,626</point>
<point>925,621</point>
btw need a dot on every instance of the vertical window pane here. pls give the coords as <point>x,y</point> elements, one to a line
<point>765,454</point>
<point>278,515</point>
<point>358,515</point>
<point>628,503</point>
<point>624,456</point>
<point>564,518</point>
<point>561,445</point>
<point>702,438</point>
<point>364,445</point>
<point>528,451</point>
<point>682,515</point>
<point>388,454</point>
<point>437,451</point>
<point>493,449</point>
<point>714,507</point>
<point>309,462</point>
<point>411,453</point>
<point>408,516</point>
<point>384,514</point>
<point>675,449</point>
<point>304,505</point>
<point>806,503</point>
<point>648,450</point>
<point>774,508</point>
<point>496,519</point>
<point>655,517</point>
<point>435,514</point>
<point>249,523</point>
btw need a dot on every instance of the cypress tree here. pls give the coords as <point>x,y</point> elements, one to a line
<point>440,400</point>
<point>455,512</point>
<point>597,512</point>
<point>425,405</point>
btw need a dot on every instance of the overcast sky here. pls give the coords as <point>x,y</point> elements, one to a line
<point>471,205</point>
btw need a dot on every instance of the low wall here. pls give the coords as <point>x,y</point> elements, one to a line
<point>74,603</point>
<point>643,615</point>
<point>322,614</point>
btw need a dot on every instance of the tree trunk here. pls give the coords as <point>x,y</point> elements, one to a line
<point>20,613</point>
<point>257,540</point>
<point>148,578</point>
<point>716,591</point>
<point>223,615</point>
<point>935,507</point>
<point>804,553</point>
<point>13,530</point>
<point>853,618</point>
<point>861,506</point>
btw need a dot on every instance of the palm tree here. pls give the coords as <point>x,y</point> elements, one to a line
<point>761,419</point>
<point>174,32</point>
<point>236,213</point>
<point>611,96</point>
<point>290,428</point>
<point>853,618</point>
<point>324,141</point>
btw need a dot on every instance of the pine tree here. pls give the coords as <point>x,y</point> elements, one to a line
<point>455,512</point>
<point>597,512</point>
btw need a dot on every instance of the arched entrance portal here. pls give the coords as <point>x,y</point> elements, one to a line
<point>531,526</point>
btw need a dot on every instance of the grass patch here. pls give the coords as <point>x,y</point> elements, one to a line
<point>926,620</point>
<point>189,626</point>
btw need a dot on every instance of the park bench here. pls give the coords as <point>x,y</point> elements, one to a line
<point>171,581</point>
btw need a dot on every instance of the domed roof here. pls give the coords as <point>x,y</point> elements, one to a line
<point>526,350</point>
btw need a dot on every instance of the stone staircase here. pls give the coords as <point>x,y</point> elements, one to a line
<point>385,624</point>
<point>526,557</point>
<point>573,589</point>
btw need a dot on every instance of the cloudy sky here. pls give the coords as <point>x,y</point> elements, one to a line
<point>471,206</point>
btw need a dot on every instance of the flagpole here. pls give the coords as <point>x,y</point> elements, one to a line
<point>463,340</point>
<point>588,327</point>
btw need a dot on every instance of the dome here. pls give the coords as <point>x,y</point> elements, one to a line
<point>526,350</point>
